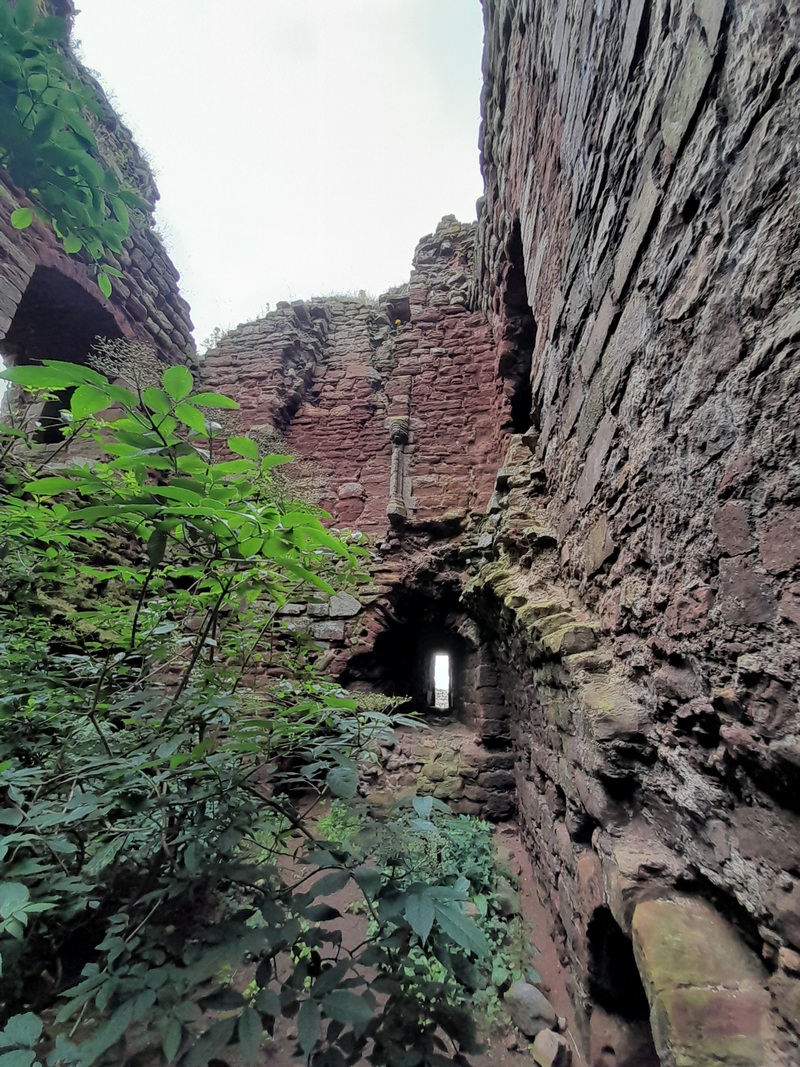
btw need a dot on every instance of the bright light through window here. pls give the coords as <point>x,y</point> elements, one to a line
<point>441,681</point>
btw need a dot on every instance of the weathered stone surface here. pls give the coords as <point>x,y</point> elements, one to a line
<point>292,609</point>
<point>551,1050</point>
<point>732,530</point>
<point>343,606</point>
<point>685,942</point>
<point>671,480</point>
<point>373,399</point>
<point>745,596</point>
<point>328,630</point>
<point>780,540</point>
<point>529,1009</point>
<point>707,991</point>
<point>635,868</point>
<point>599,546</point>
<point>610,712</point>
<point>685,93</point>
<point>697,1027</point>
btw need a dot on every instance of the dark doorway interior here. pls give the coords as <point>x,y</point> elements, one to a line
<point>55,319</point>
<point>519,337</point>
<point>403,661</point>
<point>616,989</point>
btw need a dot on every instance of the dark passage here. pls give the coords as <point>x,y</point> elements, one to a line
<point>404,657</point>
<point>615,986</point>
<point>56,319</point>
<point>519,337</point>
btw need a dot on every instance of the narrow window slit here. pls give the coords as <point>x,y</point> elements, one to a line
<point>441,681</point>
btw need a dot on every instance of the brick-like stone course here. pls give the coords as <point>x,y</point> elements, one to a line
<point>637,160</point>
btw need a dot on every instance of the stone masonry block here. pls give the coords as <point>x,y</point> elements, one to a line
<point>328,630</point>
<point>705,987</point>
<point>685,942</point>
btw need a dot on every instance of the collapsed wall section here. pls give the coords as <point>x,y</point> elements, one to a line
<point>394,402</point>
<point>640,155</point>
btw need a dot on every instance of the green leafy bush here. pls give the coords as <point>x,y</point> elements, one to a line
<point>426,844</point>
<point>339,825</point>
<point>146,792</point>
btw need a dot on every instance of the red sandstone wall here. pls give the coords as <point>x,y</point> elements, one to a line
<point>648,154</point>
<point>447,355</point>
<point>146,303</point>
<point>392,405</point>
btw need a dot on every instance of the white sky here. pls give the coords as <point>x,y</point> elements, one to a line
<point>301,147</point>
<point>441,671</point>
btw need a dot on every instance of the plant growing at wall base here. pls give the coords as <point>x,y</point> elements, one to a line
<point>426,843</point>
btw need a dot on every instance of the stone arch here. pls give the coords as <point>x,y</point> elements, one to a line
<point>56,318</point>
<point>413,626</point>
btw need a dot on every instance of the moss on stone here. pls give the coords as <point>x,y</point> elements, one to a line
<point>687,943</point>
<point>711,1027</point>
<point>705,987</point>
<point>609,713</point>
<point>574,637</point>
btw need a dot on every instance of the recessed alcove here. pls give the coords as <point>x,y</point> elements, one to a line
<point>519,336</point>
<point>620,1028</point>
<point>423,633</point>
<point>55,319</point>
<point>399,309</point>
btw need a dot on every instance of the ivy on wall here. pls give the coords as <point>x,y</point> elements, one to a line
<point>47,145</point>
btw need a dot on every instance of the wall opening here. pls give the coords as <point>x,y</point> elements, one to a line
<point>399,309</point>
<point>519,337</point>
<point>420,654</point>
<point>441,681</point>
<point>620,1019</point>
<point>614,980</point>
<point>55,319</point>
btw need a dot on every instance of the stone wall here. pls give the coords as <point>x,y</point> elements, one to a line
<point>571,443</point>
<point>394,401</point>
<point>145,304</point>
<point>396,417</point>
<point>446,763</point>
<point>639,163</point>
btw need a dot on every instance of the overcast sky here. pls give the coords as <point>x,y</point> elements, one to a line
<point>301,147</point>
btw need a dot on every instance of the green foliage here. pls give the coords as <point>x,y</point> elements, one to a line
<point>47,144</point>
<point>425,845</point>
<point>379,702</point>
<point>340,823</point>
<point>18,1040</point>
<point>147,785</point>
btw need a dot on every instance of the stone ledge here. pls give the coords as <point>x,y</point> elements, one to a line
<point>709,1006</point>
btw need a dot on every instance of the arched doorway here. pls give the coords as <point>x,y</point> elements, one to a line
<point>55,319</point>
<point>424,652</point>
